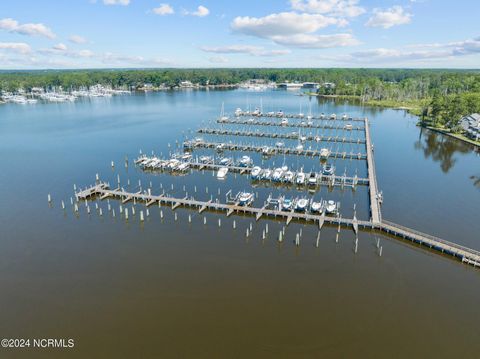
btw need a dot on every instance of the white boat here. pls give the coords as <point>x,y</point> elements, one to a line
<point>245,161</point>
<point>324,152</point>
<point>206,159</point>
<point>245,198</point>
<point>299,147</point>
<point>277,174</point>
<point>279,113</point>
<point>286,204</point>
<point>333,116</point>
<point>222,172</point>
<point>300,178</point>
<point>331,207</point>
<point>266,174</point>
<point>301,204</point>
<point>173,164</point>
<point>238,111</point>
<point>186,156</point>
<point>288,176</point>
<point>284,122</point>
<point>256,172</point>
<point>344,117</point>
<point>312,179</point>
<point>322,115</point>
<point>348,127</point>
<point>226,161</point>
<point>280,144</point>
<point>266,150</point>
<point>328,169</point>
<point>183,166</point>
<point>220,147</point>
<point>301,115</point>
<point>316,207</point>
<point>302,138</point>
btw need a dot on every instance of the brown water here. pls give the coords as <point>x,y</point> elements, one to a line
<point>175,289</point>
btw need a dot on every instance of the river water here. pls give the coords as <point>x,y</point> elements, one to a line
<point>170,288</point>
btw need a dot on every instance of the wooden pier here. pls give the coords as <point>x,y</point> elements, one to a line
<point>466,255</point>
<point>276,150</point>
<point>375,213</point>
<point>291,136</point>
<point>322,180</point>
<point>292,115</point>
<point>323,126</point>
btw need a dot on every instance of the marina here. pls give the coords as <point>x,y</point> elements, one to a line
<point>298,209</point>
<point>285,123</point>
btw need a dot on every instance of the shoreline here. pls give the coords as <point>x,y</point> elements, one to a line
<point>452,135</point>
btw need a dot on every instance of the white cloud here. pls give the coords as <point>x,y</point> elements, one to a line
<point>284,24</point>
<point>389,17</point>
<point>428,52</point>
<point>77,39</point>
<point>60,47</point>
<point>218,59</point>
<point>164,9</point>
<point>245,49</point>
<point>347,8</point>
<point>116,2</point>
<point>313,41</point>
<point>18,47</point>
<point>294,30</point>
<point>12,25</point>
<point>126,60</point>
<point>200,12</point>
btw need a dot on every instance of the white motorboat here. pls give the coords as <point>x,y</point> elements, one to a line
<point>277,174</point>
<point>173,164</point>
<point>266,150</point>
<point>286,204</point>
<point>302,138</point>
<point>245,198</point>
<point>299,147</point>
<point>256,172</point>
<point>206,159</point>
<point>245,161</point>
<point>324,152</point>
<point>279,113</point>
<point>331,207</point>
<point>301,204</point>
<point>300,178</point>
<point>284,122</point>
<point>328,169</point>
<point>322,115</point>
<point>238,111</point>
<point>312,179</point>
<point>316,207</point>
<point>348,127</point>
<point>288,176</point>
<point>183,166</point>
<point>333,116</point>
<point>186,156</point>
<point>220,147</point>
<point>222,172</point>
<point>266,174</point>
<point>226,161</point>
<point>344,117</point>
<point>280,144</point>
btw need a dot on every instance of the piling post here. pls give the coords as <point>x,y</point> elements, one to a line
<point>141,216</point>
<point>49,198</point>
<point>126,213</point>
<point>234,224</point>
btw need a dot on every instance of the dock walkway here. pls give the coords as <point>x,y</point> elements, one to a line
<point>291,136</point>
<point>296,124</point>
<point>466,255</point>
<point>276,150</point>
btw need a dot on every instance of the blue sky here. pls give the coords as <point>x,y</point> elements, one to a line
<point>286,33</point>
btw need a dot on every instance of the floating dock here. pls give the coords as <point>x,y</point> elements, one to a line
<point>325,180</point>
<point>276,150</point>
<point>290,136</point>
<point>299,116</point>
<point>323,126</point>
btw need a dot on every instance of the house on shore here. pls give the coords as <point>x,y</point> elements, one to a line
<point>471,125</point>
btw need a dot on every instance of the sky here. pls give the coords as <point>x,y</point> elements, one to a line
<point>57,34</point>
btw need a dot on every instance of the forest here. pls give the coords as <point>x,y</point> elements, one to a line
<point>440,97</point>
